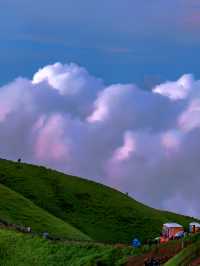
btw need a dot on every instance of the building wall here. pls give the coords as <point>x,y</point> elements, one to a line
<point>174,231</point>
<point>197,229</point>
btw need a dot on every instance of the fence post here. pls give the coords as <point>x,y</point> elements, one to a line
<point>182,243</point>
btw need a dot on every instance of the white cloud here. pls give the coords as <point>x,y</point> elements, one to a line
<point>108,101</point>
<point>190,118</point>
<point>67,79</point>
<point>127,149</point>
<point>176,90</point>
<point>139,141</point>
<point>50,143</point>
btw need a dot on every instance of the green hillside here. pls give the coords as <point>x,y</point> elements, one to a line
<point>18,249</point>
<point>15,209</point>
<point>100,212</point>
<point>188,254</point>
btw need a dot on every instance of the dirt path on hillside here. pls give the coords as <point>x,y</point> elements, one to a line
<point>162,254</point>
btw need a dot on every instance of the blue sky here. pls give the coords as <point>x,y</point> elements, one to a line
<point>144,42</point>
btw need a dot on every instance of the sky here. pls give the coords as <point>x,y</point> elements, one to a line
<point>107,90</point>
<point>120,41</point>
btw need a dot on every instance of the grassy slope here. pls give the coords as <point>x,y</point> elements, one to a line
<point>16,209</point>
<point>98,211</point>
<point>18,249</point>
<point>189,253</point>
<point>185,256</point>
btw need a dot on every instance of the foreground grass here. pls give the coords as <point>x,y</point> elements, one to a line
<point>98,211</point>
<point>18,249</point>
<point>189,253</point>
<point>185,256</point>
<point>15,209</point>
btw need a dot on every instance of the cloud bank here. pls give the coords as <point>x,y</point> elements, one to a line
<point>142,142</point>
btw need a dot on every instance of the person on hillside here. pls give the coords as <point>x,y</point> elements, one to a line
<point>19,163</point>
<point>152,262</point>
<point>45,235</point>
<point>28,229</point>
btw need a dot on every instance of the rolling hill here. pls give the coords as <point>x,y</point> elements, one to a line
<point>100,212</point>
<point>15,209</point>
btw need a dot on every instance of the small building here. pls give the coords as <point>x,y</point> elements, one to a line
<point>171,229</point>
<point>194,227</point>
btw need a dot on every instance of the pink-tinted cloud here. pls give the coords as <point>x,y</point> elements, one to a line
<point>171,140</point>
<point>124,152</point>
<point>138,141</point>
<point>190,118</point>
<point>50,143</point>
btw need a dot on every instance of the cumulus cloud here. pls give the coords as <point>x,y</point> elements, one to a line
<point>142,142</point>
<point>67,79</point>
<point>176,90</point>
<point>124,152</point>
<point>189,119</point>
<point>50,139</point>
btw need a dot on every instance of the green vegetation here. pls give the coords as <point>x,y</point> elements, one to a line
<point>189,253</point>
<point>15,209</point>
<point>185,256</point>
<point>102,213</point>
<point>18,249</point>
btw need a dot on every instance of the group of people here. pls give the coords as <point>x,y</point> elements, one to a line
<point>152,262</point>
